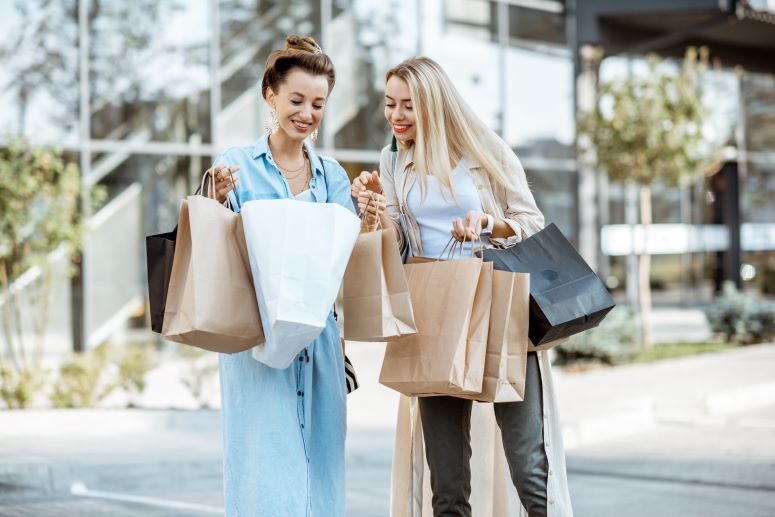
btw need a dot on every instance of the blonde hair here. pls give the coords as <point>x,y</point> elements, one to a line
<point>447,128</point>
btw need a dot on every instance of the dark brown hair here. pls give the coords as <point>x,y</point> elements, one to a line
<point>300,52</point>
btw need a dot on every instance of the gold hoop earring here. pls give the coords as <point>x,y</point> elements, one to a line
<point>272,123</point>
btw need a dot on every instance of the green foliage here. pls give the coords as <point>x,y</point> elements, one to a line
<point>39,205</point>
<point>614,341</point>
<point>741,317</point>
<point>83,380</point>
<point>134,363</point>
<point>18,387</point>
<point>676,350</point>
<point>648,127</point>
<point>40,210</point>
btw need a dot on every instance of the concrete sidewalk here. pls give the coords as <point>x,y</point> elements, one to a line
<point>611,402</point>
<point>608,402</point>
<point>175,456</point>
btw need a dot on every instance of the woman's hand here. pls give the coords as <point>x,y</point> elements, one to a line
<point>225,180</point>
<point>371,206</point>
<point>470,228</point>
<point>366,181</point>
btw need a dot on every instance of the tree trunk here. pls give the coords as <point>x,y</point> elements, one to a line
<point>631,218</point>
<point>15,303</point>
<point>7,319</point>
<point>41,325</point>
<point>644,270</point>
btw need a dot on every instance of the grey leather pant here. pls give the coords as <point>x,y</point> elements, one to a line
<point>446,423</point>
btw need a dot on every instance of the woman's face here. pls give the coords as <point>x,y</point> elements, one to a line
<point>398,109</point>
<point>299,103</point>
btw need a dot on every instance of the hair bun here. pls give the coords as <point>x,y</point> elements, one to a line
<point>304,43</point>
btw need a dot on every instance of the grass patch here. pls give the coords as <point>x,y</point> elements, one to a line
<point>675,350</point>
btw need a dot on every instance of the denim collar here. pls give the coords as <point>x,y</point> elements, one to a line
<point>261,147</point>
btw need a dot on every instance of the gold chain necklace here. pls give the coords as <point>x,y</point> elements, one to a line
<point>297,170</point>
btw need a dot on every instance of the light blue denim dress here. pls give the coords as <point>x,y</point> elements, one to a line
<point>284,430</point>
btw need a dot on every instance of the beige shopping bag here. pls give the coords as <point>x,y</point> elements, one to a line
<point>506,362</point>
<point>377,304</point>
<point>211,303</point>
<point>451,301</point>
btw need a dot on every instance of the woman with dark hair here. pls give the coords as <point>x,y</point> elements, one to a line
<point>284,430</point>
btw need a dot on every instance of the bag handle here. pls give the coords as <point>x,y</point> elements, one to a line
<point>365,211</point>
<point>210,192</point>
<point>458,247</point>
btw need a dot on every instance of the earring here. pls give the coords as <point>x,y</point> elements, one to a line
<point>271,123</point>
<point>314,136</point>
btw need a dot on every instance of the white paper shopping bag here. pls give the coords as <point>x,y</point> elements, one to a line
<point>298,255</point>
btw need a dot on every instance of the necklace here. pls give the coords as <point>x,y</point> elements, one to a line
<point>302,187</point>
<point>285,169</point>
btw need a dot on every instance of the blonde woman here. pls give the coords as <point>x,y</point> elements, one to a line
<point>447,173</point>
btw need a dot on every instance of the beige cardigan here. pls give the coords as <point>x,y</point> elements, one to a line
<point>517,208</point>
<point>492,494</point>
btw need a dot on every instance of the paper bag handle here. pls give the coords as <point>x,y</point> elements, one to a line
<point>365,211</point>
<point>458,246</point>
<point>211,188</point>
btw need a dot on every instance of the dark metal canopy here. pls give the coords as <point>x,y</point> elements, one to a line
<point>735,33</point>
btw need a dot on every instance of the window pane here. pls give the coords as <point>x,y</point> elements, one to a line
<point>758,192</point>
<point>759,98</point>
<point>537,25</point>
<point>149,64</point>
<point>367,39</point>
<point>553,191</point>
<point>39,69</point>
<point>539,99</point>
<point>467,51</point>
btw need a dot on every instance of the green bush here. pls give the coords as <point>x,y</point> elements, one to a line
<point>134,363</point>
<point>614,341</point>
<point>87,378</point>
<point>83,380</point>
<point>741,317</point>
<point>40,212</point>
<point>18,387</point>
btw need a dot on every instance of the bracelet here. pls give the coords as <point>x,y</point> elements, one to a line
<point>490,224</point>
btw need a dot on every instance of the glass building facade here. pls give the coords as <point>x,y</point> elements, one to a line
<point>144,95</point>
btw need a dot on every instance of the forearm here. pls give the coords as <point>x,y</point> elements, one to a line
<point>501,230</point>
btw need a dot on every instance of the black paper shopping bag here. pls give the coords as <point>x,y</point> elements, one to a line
<point>159,251</point>
<point>566,296</point>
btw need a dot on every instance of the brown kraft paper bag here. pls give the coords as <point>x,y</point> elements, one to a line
<point>211,303</point>
<point>376,300</point>
<point>506,362</point>
<point>451,301</point>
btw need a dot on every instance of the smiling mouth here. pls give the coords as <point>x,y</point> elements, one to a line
<point>401,128</point>
<point>300,126</point>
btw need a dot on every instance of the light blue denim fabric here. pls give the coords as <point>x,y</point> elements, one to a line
<point>284,430</point>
